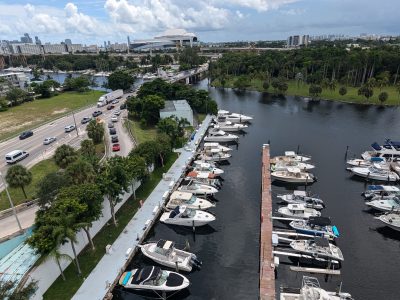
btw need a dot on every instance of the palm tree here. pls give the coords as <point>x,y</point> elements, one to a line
<point>95,131</point>
<point>65,231</point>
<point>19,176</point>
<point>64,156</point>
<point>81,171</point>
<point>57,256</point>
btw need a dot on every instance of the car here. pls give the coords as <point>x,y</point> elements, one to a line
<point>114,139</point>
<point>110,107</point>
<point>116,147</point>
<point>114,118</point>
<point>25,134</point>
<point>86,120</point>
<point>49,140</point>
<point>96,113</point>
<point>123,106</point>
<point>69,128</point>
<point>116,112</point>
<point>112,131</point>
<point>15,156</point>
<point>115,101</point>
<point>110,125</point>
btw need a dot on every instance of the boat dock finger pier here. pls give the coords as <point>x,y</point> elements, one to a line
<point>267,268</point>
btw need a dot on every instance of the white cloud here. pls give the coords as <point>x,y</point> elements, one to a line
<point>259,5</point>
<point>80,22</point>
<point>239,14</point>
<point>294,12</point>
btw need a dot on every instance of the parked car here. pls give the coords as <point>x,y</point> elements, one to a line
<point>116,147</point>
<point>86,120</point>
<point>114,139</point>
<point>25,134</point>
<point>110,125</point>
<point>49,140</point>
<point>69,128</point>
<point>96,113</point>
<point>16,155</point>
<point>116,112</point>
<point>114,118</point>
<point>115,101</point>
<point>112,131</point>
<point>110,107</point>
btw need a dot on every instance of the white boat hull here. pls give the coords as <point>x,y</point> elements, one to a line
<point>276,176</point>
<point>363,172</point>
<point>187,222</point>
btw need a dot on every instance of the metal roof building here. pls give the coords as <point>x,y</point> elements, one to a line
<point>178,108</point>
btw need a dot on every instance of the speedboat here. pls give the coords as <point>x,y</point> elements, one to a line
<point>210,146</point>
<point>184,216</point>
<point>311,290</point>
<point>357,162</point>
<point>204,178</point>
<point>197,189</point>
<point>189,200</point>
<point>219,156</point>
<point>381,190</point>
<point>153,279</point>
<point>290,156</point>
<point>229,126</point>
<point>165,253</point>
<point>391,220</point>
<point>317,226</point>
<point>206,167</point>
<point>233,117</point>
<point>385,205</point>
<point>376,173</point>
<point>319,247</point>
<point>284,165</point>
<point>390,150</point>
<point>301,197</point>
<point>298,211</point>
<point>216,135</point>
<point>293,175</point>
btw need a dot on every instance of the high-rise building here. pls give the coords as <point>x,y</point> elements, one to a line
<point>26,39</point>
<point>297,41</point>
<point>105,45</point>
<point>68,42</point>
<point>37,41</point>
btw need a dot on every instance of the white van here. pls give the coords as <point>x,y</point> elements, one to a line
<point>15,156</point>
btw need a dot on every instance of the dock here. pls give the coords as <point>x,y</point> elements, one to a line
<point>99,284</point>
<point>267,268</point>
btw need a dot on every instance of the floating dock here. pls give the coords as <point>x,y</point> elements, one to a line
<point>267,268</point>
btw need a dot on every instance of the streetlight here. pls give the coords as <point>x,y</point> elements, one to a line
<point>11,203</point>
<point>76,127</point>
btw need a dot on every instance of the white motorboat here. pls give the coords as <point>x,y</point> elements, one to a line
<point>153,279</point>
<point>298,211</point>
<point>206,167</point>
<point>230,127</point>
<point>385,205</point>
<point>290,156</point>
<point>284,165</point>
<point>233,117</point>
<point>390,150</point>
<point>189,200</point>
<point>317,226</point>
<point>319,247</point>
<point>165,253</point>
<point>311,290</point>
<point>216,135</point>
<point>391,220</point>
<point>184,216</point>
<point>293,175</point>
<point>198,189</point>
<point>357,162</point>
<point>301,197</point>
<point>204,178</point>
<point>216,157</point>
<point>381,190</point>
<point>376,173</point>
<point>212,146</point>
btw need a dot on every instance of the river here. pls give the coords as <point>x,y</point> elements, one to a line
<point>229,246</point>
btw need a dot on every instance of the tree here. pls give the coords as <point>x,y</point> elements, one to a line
<point>65,155</point>
<point>164,147</point>
<point>170,127</point>
<point>79,84</point>
<point>241,83</point>
<point>147,150</point>
<point>136,170</point>
<point>342,91</point>
<point>80,171</point>
<point>366,91</point>
<point>283,87</point>
<point>147,108</point>
<point>95,131</point>
<point>383,97</point>
<point>315,90</point>
<point>88,152</point>
<point>15,95</point>
<point>9,290</point>
<point>120,80</point>
<point>49,187</point>
<point>35,74</point>
<point>46,88</point>
<point>58,256</point>
<point>19,176</point>
<point>3,104</point>
<point>266,85</point>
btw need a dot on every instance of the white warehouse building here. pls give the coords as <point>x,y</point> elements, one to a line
<point>177,108</point>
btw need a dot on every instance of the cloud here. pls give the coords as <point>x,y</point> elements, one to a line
<point>239,14</point>
<point>80,22</point>
<point>259,5</point>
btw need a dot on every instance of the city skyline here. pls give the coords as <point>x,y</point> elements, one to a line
<point>92,22</point>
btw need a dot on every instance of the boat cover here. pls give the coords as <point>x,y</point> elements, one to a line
<point>393,143</point>
<point>321,242</point>
<point>376,146</point>
<point>174,212</point>
<point>145,274</point>
<point>321,221</point>
<point>377,159</point>
<point>174,279</point>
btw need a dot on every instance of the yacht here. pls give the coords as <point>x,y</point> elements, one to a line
<point>385,205</point>
<point>290,156</point>
<point>153,279</point>
<point>293,175</point>
<point>311,290</point>
<point>317,226</point>
<point>390,150</point>
<point>319,247</point>
<point>165,253</point>
<point>229,126</point>
<point>233,117</point>
<point>216,135</point>
<point>298,211</point>
<point>300,197</point>
<point>189,200</point>
<point>184,216</point>
<point>212,146</point>
<point>212,156</point>
<point>375,172</point>
<point>284,165</point>
<point>197,189</point>
<point>206,167</point>
<point>357,162</point>
<point>381,190</point>
<point>204,178</point>
<point>391,220</point>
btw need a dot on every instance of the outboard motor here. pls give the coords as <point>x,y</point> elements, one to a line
<point>195,262</point>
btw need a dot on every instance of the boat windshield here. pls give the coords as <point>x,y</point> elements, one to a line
<point>188,213</point>
<point>191,200</point>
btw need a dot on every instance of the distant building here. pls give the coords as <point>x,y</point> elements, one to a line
<point>75,48</point>
<point>119,47</point>
<point>19,80</point>
<point>55,48</point>
<point>68,42</point>
<point>91,49</point>
<point>297,41</point>
<point>26,39</point>
<point>177,108</point>
<point>37,41</point>
<point>28,49</point>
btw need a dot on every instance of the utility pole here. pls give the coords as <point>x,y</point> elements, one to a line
<point>11,203</point>
<point>76,127</point>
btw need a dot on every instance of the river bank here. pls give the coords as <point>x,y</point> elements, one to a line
<point>331,95</point>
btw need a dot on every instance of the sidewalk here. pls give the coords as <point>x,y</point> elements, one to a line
<point>9,225</point>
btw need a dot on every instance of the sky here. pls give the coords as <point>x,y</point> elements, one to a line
<point>94,21</point>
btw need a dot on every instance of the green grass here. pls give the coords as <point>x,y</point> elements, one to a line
<point>88,259</point>
<point>302,90</point>
<point>142,135</point>
<point>38,172</point>
<point>32,114</point>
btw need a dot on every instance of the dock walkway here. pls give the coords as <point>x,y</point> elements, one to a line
<point>98,284</point>
<point>267,274</point>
